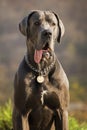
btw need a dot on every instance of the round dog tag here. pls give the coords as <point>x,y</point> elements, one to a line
<point>40,79</point>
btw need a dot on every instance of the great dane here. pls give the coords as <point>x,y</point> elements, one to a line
<point>41,87</point>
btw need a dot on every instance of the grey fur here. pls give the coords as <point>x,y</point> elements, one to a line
<point>29,113</point>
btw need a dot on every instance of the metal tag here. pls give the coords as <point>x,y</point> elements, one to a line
<point>40,79</point>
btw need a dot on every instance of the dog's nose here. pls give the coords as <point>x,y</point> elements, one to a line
<point>47,33</point>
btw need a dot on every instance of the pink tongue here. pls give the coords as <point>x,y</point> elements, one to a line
<point>38,56</point>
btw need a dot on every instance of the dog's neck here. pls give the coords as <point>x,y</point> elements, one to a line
<point>41,69</point>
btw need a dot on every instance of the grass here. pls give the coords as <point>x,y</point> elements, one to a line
<point>6,119</point>
<point>6,116</point>
<point>74,125</point>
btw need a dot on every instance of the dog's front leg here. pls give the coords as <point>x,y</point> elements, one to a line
<point>17,121</point>
<point>20,121</point>
<point>25,123</point>
<point>61,119</point>
<point>59,104</point>
<point>65,119</point>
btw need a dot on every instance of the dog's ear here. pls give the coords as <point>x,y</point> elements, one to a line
<point>61,28</point>
<point>28,23</point>
<point>23,25</point>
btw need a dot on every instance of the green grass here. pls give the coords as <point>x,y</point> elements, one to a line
<point>6,119</point>
<point>74,125</point>
<point>6,116</point>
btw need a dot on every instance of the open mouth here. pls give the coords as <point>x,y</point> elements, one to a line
<point>46,47</point>
<point>39,53</point>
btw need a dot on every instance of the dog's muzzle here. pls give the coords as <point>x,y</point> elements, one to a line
<point>46,34</point>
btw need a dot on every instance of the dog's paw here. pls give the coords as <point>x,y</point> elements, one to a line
<point>42,95</point>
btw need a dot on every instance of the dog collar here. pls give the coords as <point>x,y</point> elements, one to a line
<point>43,72</point>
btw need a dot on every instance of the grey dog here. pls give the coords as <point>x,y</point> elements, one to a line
<point>41,87</point>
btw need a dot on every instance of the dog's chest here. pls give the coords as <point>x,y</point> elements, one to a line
<point>32,87</point>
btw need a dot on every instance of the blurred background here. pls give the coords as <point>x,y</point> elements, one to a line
<point>72,52</point>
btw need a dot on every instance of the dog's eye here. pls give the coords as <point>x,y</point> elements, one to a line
<point>37,23</point>
<point>53,24</point>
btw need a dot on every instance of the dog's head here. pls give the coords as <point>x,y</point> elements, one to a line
<point>42,28</point>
